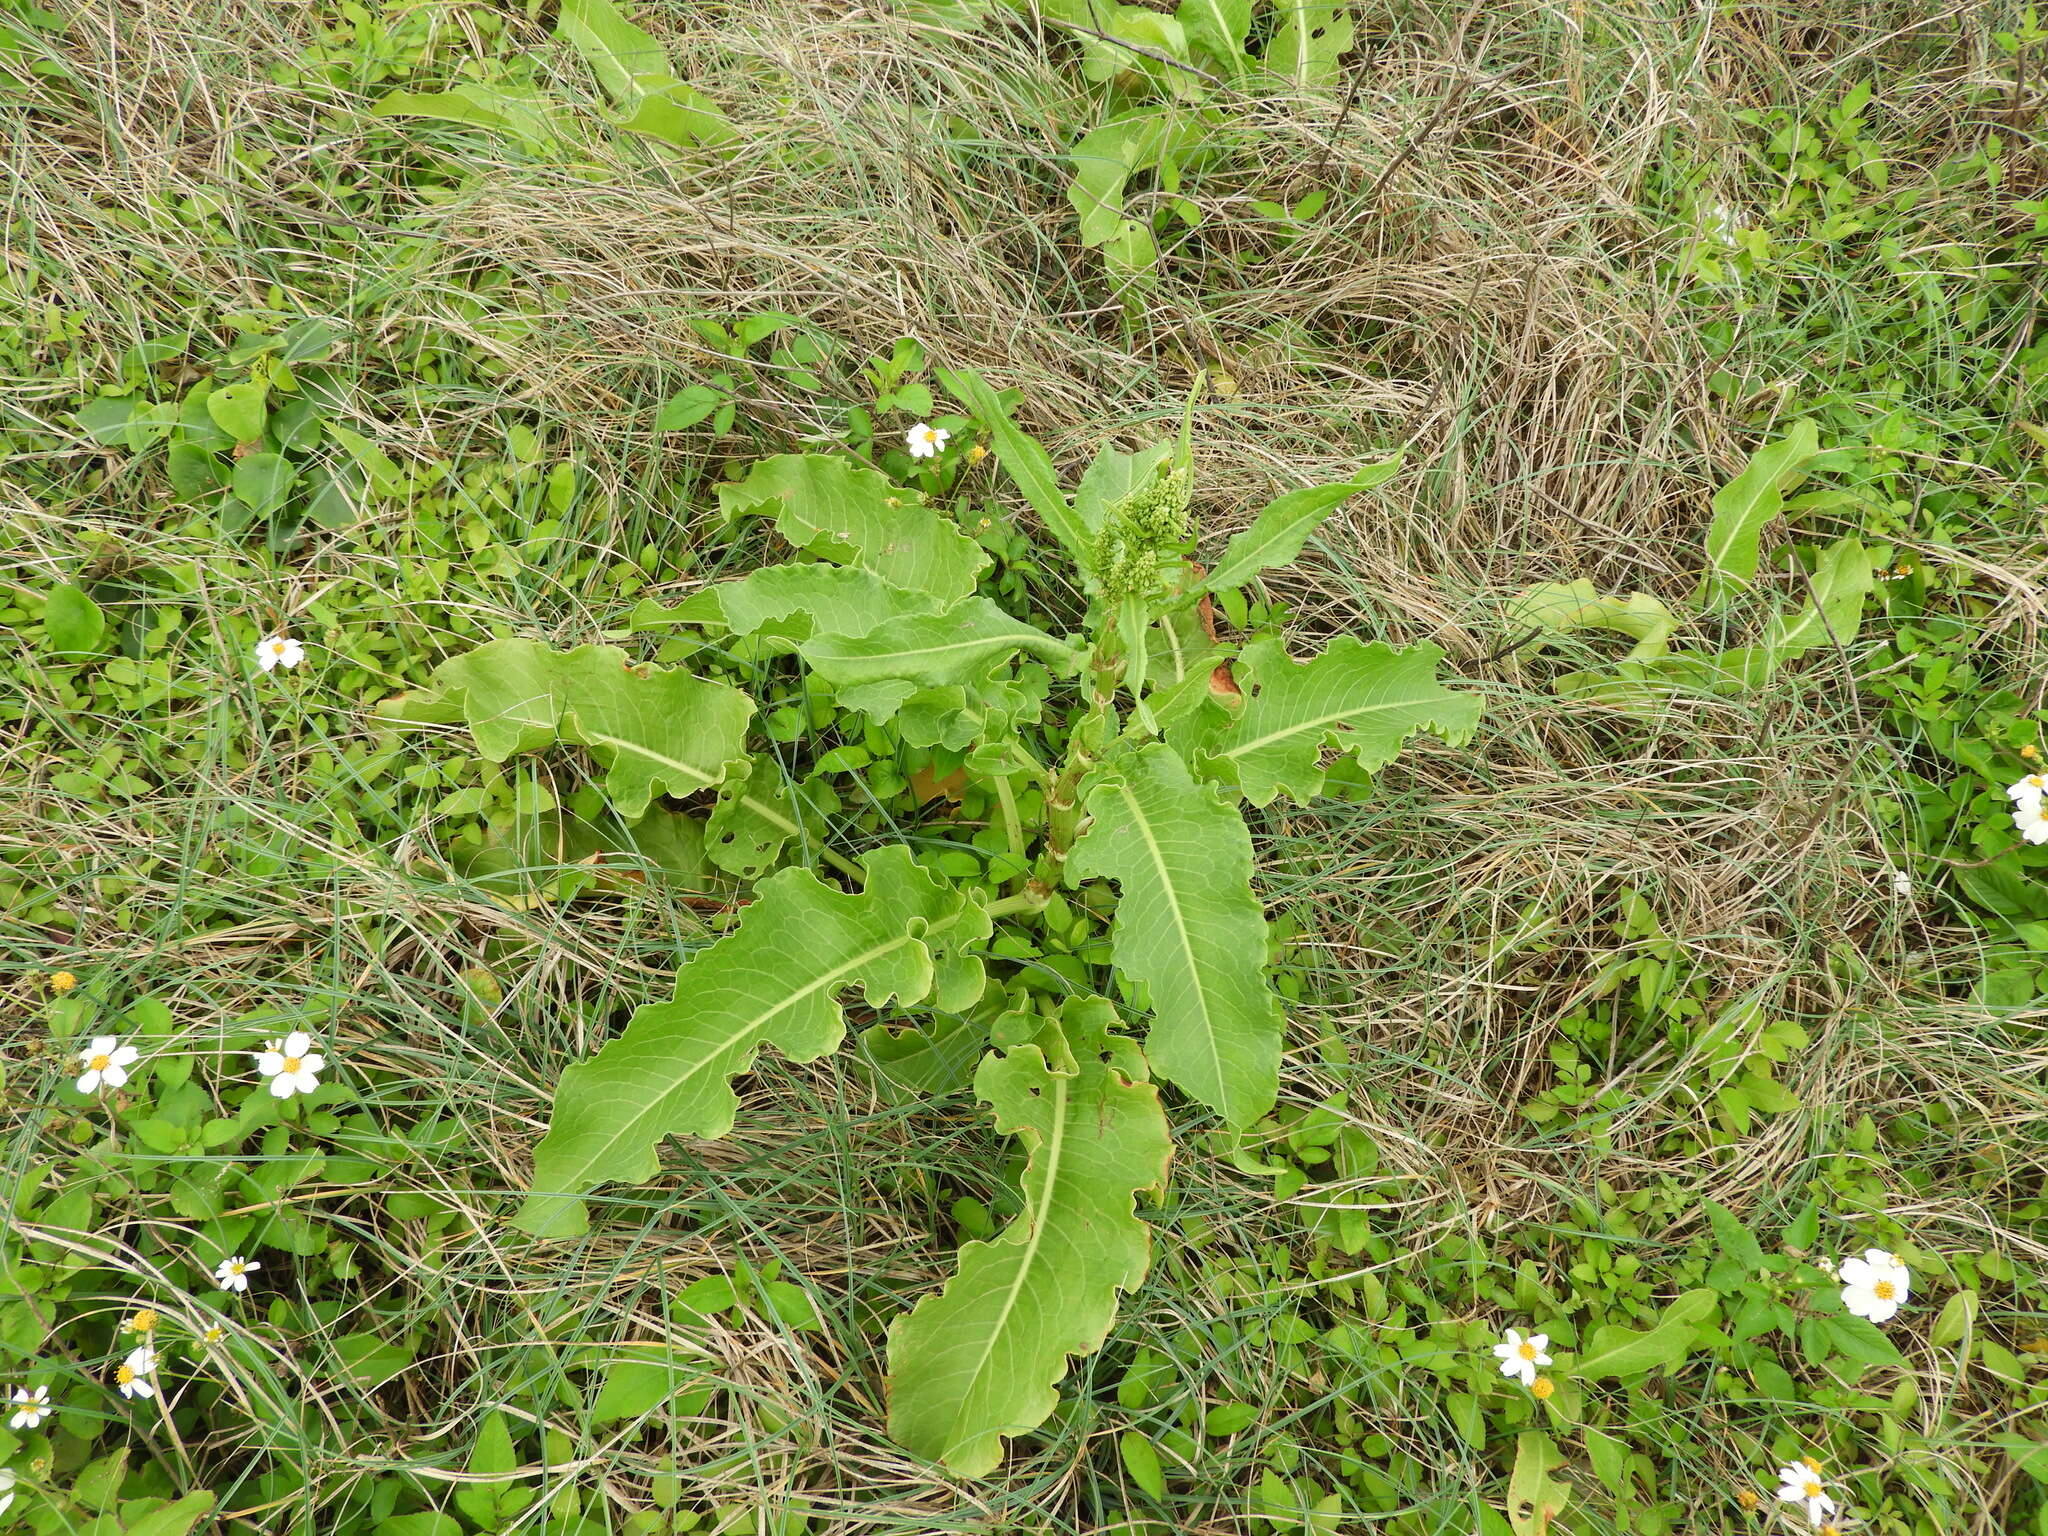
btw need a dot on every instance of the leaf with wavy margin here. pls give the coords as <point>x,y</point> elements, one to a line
<point>776,979</point>
<point>655,732</point>
<point>982,1359</point>
<point>852,515</point>
<point>1189,928</point>
<point>1365,700</point>
<point>935,650</point>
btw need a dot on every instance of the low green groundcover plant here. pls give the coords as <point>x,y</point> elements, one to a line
<point>1118,755</point>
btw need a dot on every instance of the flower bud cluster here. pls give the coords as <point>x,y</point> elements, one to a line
<point>1138,528</point>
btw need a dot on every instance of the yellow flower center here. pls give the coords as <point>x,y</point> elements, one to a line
<point>1884,1290</point>
<point>1810,1464</point>
<point>277,647</point>
<point>1812,1488</point>
<point>63,981</point>
<point>124,1375</point>
<point>1541,1388</point>
<point>1748,1499</point>
<point>214,1335</point>
<point>100,1063</point>
<point>291,1064</point>
<point>1526,1350</point>
<point>142,1322</point>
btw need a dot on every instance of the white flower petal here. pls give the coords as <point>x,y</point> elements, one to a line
<point>270,1063</point>
<point>88,1082</point>
<point>297,1043</point>
<point>104,1045</point>
<point>313,1062</point>
<point>124,1055</point>
<point>281,1086</point>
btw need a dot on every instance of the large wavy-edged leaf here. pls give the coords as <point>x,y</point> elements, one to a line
<point>617,52</point>
<point>1833,614</point>
<point>757,817</point>
<point>1277,533</point>
<point>1218,28</point>
<point>794,602</point>
<point>655,732</point>
<point>1312,37</point>
<point>1028,465</point>
<point>1745,504</point>
<point>774,980</point>
<point>1188,928</point>
<point>935,650</point>
<point>981,1360</point>
<point>844,512</point>
<point>1365,700</point>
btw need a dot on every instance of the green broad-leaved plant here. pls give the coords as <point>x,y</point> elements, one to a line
<point>1121,757</point>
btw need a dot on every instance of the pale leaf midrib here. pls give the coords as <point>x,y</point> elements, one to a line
<point>1054,1149</point>
<point>1186,942</point>
<point>837,977</point>
<point>638,749</point>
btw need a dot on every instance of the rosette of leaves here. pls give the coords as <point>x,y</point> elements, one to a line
<point>1137,763</point>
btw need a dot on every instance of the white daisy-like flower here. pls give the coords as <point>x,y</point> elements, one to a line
<point>6,1488</point>
<point>133,1373</point>
<point>1876,1285</point>
<point>926,442</point>
<point>1721,223</point>
<point>1520,1356</point>
<point>1801,1483</point>
<point>28,1409</point>
<point>233,1274</point>
<point>1902,883</point>
<point>2031,819</point>
<point>105,1060</point>
<point>291,1064</point>
<point>274,651</point>
<point>2028,791</point>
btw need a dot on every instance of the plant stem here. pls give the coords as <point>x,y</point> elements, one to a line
<point>1031,899</point>
<point>1013,826</point>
